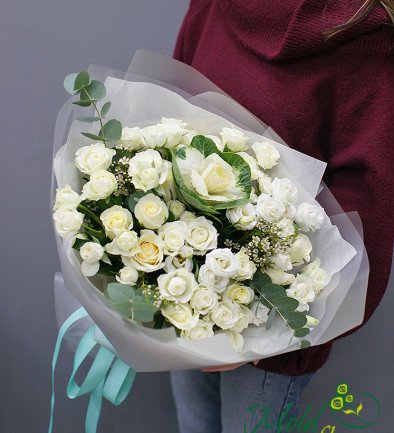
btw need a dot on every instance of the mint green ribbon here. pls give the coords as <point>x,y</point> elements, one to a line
<point>108,376</point>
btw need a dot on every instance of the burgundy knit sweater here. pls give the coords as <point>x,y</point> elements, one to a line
<point>331,100</point>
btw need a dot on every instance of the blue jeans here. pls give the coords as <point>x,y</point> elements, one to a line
<point>245,400</point>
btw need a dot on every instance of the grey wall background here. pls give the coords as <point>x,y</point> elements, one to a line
<point>40,42</point>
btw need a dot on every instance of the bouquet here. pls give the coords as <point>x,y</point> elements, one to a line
<point>190,233</point>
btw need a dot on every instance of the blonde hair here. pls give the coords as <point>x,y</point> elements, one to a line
<point>367,7</point>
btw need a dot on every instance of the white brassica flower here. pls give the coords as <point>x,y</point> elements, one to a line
<point>94,157</point>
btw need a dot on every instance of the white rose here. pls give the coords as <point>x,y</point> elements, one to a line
<point>260,313</point>
<point>94,157</point>
<point>201,235</point>
<point>245,317</point>
<point>187,216</point>
<point>132,138</point>
<point>151,212</point>
<point>265,183</point>
<point>301,289</point>
<point>254,169</point>
<point>203,329</point>
<point>148,169</point>
<point>126,244</point>
<point>282,262</point>
<point>176,207</point>
<point>67,221</point>
<point>266,154</point>
<point>203,300</point>
<point>168,189</point>
<point>127,275</point>
<point>239,293</point>
<point>300,250</point>
<point>280,277</point>
<point>285,191</point>
<point>309,217</point>
<point>234,139</point>
<point>173,236</point>
<point>225,314</point>
<point>209,279</point>
<point>236,340</point>
<point>178,285</point>
<point>91,253</point>
<point>286,227</point>
<point>183,259</point>
<point>181,316</point>
<point>116,220</point>
<point>154,136</point>
<point>319,276</point>
<point>174,130</point>
<point>269,208</point>
<point>101,185</point>
<point>222,262</point>
<point>242,217</point>
<point>149,257</point>
<point>246,268</point>
<point>66,198</point>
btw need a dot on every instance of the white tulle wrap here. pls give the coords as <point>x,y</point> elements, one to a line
<point>154,87</point>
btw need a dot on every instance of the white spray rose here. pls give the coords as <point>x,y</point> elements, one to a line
<point>282,262</point>
<point>236,340</point>
<point>269,208</point>
<point>173,236</point>
<point>94,157</point>
<point>178,285</point>
<point>91,254</point>
<point>154,136</point>
<point>286,227</point>
<point>285,191</point>
<point>245,317</point>
<point>225,314</point>
<point>300,250</point>
<point>149,257</point>
<point>183,259</point>
<point>246,268</point>
<point>254,169</point>
<point>290,212</point>
<point>168,189</point>
<point>280,277</point>
<point>242,217</point>
<point>201,235</point>
<point>187,216</point>
<point>266,154</point>
<point>301,289</point>
<point>239,293</point>
<point>127,275</point>
<point>222,262</point>
<point>148,169</point>
<point>203,300</point>
<point>209,279</point>
<point>126,244</point>
<point>265,182</point>
<point>181,316</point>
<point>260,313</point>
<point>116,220</point>
<point>174,130</point>
<point>309,217</point>
<point>67,221</point>
<point>132,138</point>
<point>311,322</point>
<point>101,185</point>
<point>203,329</point>
<point>151,212</point>
<point>176,207</point>
<point>66,198</point>
<point>319,276</point>
<point>234,139</point>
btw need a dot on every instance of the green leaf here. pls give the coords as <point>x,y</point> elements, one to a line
<point>271,317</point>
<point>93,136</point>
<point>105,108</point>
<point>84,103</point>
<point>88,119</point>
<point>171,217</point>
<point>304,344</point>
<point>204,145</point>
<point>180,152</point>
<point>81,80</point>
<point>112,130</point>
<point>79,242</point>
<point>132,200</point>
<point>94,91</point>
<point>159,321</point>
<point>68,83</point>
<point>285,304</point>
<point>301,332</point>
<point>142,310</point>
<point>124,308</point>
<point>296,320</point>
<point>117,292</point>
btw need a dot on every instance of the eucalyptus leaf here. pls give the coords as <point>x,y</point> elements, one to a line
<point>142,310</point>
<point>68,83</point>
<point>105,108</point>
<point>117,292</point>
<point>112,130</point>
<point>88,119</point>
<point>271,317</point>
<point>304,344</point>
<point>301,332</point>
<point>296,320</point>
<point>94,91</point>
<point>81,80</point>
<point>93,136</point>
<point>132,200</point>
<point>83,103</point>
<point>124,308</point>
